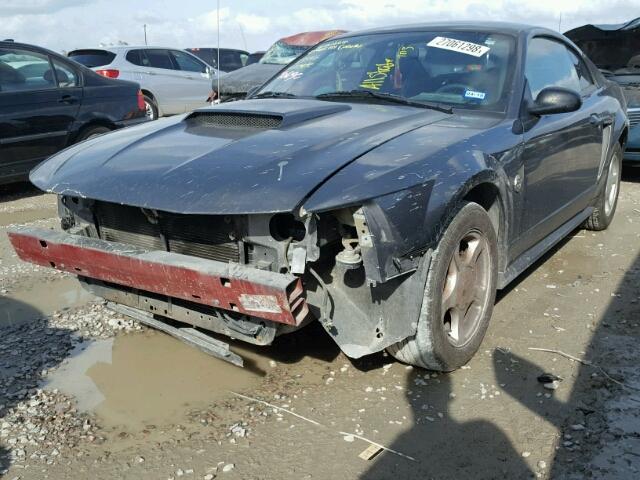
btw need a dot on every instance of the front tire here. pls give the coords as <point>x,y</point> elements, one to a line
<point>458,297</point>
<point>605,207</point>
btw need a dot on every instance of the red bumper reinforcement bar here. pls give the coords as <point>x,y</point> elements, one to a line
<point>274,296</point>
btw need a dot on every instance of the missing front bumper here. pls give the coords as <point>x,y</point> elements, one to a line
<point>239,288</point>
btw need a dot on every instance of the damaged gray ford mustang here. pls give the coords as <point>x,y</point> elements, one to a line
<point>385,184</point>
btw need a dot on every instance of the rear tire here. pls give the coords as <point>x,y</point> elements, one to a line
<point>605,206</point>
<point>463,269</point>
<point>93,132</point>
<point>151,108</point>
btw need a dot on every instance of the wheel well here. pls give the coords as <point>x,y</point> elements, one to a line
<point>487,196</point>
<point>98,122</point>
<point>148,94</point>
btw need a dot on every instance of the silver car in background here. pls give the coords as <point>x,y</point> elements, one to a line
<point>172,80</point>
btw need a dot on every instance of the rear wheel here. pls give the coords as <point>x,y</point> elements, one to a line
<point>150,108</point>
<point>607,201</point>
<point>458,297</point>
<point>92,132</point>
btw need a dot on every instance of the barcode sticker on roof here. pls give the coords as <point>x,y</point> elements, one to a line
<point>459,46</point>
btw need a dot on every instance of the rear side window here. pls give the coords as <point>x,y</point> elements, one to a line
<point>137,57</point>
<point>92,58</point>
<point>24,70</point>
<point>159,59</point>
<point>65,75</point>
<point>549,65</point>
<point>187,63</point>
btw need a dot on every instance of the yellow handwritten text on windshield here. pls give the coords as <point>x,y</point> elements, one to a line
<point>375,79</point>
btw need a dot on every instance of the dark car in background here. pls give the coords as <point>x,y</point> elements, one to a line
<point>615,50</point>
<point>236,84</point>
<point>384,184</point>
<point>48,102</point>
<point>230,59</point>
<point>255,57</point>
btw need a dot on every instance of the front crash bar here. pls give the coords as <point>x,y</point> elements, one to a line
<point>240,288</point>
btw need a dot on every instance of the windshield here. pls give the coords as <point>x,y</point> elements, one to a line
<point>468,69</point>
<point>282,53</point>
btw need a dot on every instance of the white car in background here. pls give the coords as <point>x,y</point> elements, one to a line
<point>172,81</point>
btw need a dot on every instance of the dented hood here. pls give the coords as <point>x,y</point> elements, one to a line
<point>254,156</point>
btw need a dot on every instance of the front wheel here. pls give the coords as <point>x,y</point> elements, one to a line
<point>605,207</point>
<point>458,297</point>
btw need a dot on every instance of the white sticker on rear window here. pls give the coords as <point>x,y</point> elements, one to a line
<point>459,46</point>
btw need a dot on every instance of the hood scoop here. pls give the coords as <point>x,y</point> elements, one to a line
<point>261,114</point>
<point>233,120</point>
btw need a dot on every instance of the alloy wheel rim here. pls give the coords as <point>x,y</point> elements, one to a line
<point>148,110</point>
<point>466,289</point>
<point>613,182</point>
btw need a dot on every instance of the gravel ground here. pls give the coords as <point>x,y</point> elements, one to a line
<point>168,412</point>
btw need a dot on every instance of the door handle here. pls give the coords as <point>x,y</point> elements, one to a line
<point>69,99</point>
<point>151,73</point>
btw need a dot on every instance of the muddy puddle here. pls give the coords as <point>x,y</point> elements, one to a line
<point>149,378</point>
<point>22,305</point>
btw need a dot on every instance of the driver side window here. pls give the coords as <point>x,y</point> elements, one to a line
<point>549,65</point>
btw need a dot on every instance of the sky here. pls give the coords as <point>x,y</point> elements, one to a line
<point>64,25</point>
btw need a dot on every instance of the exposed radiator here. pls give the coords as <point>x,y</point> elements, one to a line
<point>201,236</point>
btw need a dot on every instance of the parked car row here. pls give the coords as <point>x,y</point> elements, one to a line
<point>172,81</point>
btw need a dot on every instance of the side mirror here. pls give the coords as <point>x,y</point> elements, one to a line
<point>555,100</point>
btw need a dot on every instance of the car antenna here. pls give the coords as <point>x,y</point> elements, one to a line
<point>218,50</point>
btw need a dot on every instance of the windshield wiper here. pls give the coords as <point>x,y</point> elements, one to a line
<point>274,95</point>
<point>388,97</point>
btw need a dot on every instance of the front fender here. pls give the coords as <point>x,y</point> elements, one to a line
<point>403,225</point>
<point>409,189</point>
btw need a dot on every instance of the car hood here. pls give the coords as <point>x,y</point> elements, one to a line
<point>244,79</point>
<point>253,156</point>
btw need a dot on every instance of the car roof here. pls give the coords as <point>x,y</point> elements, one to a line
<point>495,27</point>
<point>309,39</point>
<point>4,43</point>
<point>215,48</point>
<point>120,48</point>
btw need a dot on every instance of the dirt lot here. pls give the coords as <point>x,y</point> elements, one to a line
<point>86,393</point>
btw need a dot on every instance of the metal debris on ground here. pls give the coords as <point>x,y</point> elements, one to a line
<point>370,452</point>
<point>344,434</point>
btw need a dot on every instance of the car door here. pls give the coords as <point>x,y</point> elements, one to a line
<point>561,151</point>
<point>167,82</point>
<point>198,81</point>
<point>36,114</point>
